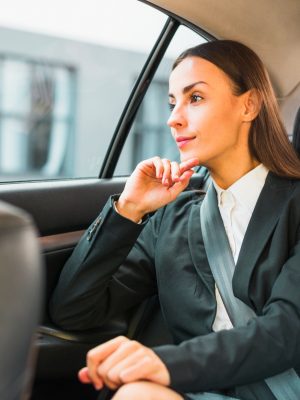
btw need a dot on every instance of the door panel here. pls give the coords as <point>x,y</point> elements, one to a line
<point>61,206</point>
<point>62,210</point>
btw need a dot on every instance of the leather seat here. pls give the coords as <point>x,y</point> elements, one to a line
<point>20,301</point>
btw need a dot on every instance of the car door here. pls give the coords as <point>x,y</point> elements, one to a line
<point>76,116</point>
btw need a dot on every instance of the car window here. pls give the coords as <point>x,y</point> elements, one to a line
<point>65,75</point>
<point>150,135</point>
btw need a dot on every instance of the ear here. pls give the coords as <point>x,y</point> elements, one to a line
<point>251,105</point>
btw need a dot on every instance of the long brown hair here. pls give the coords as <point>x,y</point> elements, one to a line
<point>268,139</point>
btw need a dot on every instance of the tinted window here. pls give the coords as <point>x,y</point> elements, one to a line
<point>66,71</point>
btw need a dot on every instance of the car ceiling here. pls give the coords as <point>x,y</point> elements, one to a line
<point>270,27</point>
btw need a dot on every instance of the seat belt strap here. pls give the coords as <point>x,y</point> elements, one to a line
<point>208,396</point>
<point>284,386</point>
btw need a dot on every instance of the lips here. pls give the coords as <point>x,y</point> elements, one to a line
<point>183,140</point>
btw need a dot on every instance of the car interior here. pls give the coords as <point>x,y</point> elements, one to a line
<point>21,299</point>
<point>62,209</point>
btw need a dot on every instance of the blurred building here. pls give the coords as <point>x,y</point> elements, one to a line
<point>60,101</point>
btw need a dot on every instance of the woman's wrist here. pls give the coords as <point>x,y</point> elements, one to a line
<point>128,210</point>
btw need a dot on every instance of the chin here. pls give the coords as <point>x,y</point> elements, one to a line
<point>184,156</point>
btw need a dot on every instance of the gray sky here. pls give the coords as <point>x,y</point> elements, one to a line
<point>126,24</point>
<point>110,22</point>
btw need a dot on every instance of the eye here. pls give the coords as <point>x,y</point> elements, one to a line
<point>171,106</point>
<point>195,98</point>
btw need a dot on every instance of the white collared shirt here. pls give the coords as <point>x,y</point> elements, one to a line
<point>236,205</point>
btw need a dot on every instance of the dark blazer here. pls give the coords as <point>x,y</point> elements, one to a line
<point>166,255</point>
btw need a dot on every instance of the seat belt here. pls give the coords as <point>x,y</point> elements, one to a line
<point>284,386</point>
<point>208,396</point>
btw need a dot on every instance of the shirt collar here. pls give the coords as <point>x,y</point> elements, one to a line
<point>246,190</point>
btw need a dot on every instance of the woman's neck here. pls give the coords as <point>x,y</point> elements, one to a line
<point>226,175</point>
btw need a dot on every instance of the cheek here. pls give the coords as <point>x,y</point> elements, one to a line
<point>206,122</point>
<point>216,133</point>
<point>218,119</point>
<point>207,113</point>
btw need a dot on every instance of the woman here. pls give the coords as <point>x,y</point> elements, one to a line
<point>223,116</point>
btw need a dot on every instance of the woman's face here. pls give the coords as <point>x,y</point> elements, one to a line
<point>206,118</point>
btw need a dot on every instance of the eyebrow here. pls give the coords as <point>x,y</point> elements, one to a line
<point>186,89</point>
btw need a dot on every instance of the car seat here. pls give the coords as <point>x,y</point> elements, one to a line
<point>20,301</point>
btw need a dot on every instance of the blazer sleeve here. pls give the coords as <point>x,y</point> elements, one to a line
<point>269,344</point>
<point>97,280</point>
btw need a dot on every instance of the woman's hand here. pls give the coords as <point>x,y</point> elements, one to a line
<point>153,184</point>
<point>121,361</point>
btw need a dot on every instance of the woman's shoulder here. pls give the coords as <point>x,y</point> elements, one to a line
<point>296,184</point>
<point>296,192</point>
<point>277,180</point>
<point>291,185</point>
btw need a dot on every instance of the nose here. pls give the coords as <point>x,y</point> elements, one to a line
<point>177,118</point>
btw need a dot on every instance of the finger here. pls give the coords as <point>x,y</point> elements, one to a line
<point>159,168</point>
<point>131,359</point>
<point>115,362</point>
<point>188,164</point>
<point>166,178</point>
<point>148,366</point>
<point>140,370</point>
<point>178,187</point>
<point>97,355</point>
<point>186,176</point>
<point>175,171</point>
<point>83,375</point>
<point>102,351</point>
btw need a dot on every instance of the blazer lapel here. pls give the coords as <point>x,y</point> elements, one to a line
<point>262,223</point>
